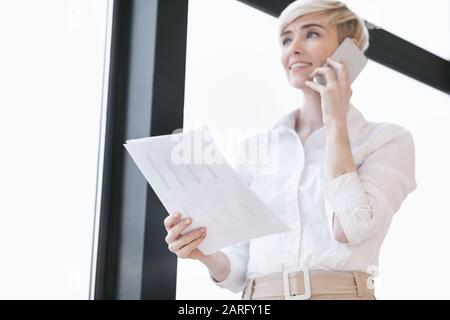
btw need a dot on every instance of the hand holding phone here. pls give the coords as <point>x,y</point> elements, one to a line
<point>351,55</point>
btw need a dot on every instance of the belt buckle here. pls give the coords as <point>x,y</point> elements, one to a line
<point>306,282</point>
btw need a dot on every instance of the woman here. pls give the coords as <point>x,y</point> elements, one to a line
<point>338,194</point>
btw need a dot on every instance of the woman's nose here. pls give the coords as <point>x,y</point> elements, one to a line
<point>296,47</point>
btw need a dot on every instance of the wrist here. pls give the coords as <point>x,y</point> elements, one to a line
<point>205,258</point>
<point>217,264</point>
<point>337,133</point>
<point>212,259</point>
<point>334,124</point>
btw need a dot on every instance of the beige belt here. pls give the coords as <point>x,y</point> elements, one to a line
<point>300,285</point>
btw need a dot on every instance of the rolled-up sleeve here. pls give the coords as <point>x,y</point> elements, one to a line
<point>365,201</point>
<point>237,277</point>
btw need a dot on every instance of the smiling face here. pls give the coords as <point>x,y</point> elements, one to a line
<point>309,41</point>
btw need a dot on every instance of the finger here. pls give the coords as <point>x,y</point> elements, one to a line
<point>187,249</point>
<point>327,72</point>
<point>340,67</point>
<point>171,220</point>
<point>319,70</point>
<point>174,232</point>
<point>317,87</point>
<point>334,63</point>
<point>186,239</point>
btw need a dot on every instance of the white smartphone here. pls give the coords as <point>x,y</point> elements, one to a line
<point>349,53</point>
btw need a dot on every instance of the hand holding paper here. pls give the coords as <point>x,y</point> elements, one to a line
<point>207,189</point>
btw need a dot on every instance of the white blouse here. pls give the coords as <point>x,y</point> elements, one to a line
<point>365,201</point>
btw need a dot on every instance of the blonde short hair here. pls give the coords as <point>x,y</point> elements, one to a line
<point>347,23</point>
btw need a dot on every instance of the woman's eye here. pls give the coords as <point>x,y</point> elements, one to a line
<point>312,32</point>
<point>308,35</point>
<point>284,41</point>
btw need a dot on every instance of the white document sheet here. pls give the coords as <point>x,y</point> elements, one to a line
<point>208,190</point>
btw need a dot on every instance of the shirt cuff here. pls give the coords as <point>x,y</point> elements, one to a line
<point>345,195</point>
<point>237,277</point>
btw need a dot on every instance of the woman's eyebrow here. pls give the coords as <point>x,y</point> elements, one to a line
<point>304,27</point>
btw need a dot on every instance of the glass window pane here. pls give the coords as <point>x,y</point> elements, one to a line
<point>426,24</point>
<point>52,62</point>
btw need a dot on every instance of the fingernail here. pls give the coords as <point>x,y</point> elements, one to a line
<point>176,215</point>
<point>187,221</point>
<point>202,230</point>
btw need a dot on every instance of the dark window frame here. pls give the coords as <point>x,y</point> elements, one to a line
<point>145,98</point>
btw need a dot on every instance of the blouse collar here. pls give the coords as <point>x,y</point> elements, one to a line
<point>355,121</point>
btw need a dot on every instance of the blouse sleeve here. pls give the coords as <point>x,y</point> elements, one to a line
<point>237,278</point>
<point>365,201</point>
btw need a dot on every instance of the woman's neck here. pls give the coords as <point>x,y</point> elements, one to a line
<point>310,117</point>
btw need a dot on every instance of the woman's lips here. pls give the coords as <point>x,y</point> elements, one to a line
<point>300,69</point>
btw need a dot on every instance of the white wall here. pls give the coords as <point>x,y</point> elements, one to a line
<point>234,79</point>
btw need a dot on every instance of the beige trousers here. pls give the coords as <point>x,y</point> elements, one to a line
<point>324,285</point>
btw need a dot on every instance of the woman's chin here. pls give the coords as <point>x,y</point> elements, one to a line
<point>299,84</point>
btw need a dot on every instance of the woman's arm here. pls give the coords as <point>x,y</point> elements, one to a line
<point>339,161</point>
<point>218,265</point>
<point>361,201</point>
<point>338,152</point>
<point>335,98</point>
